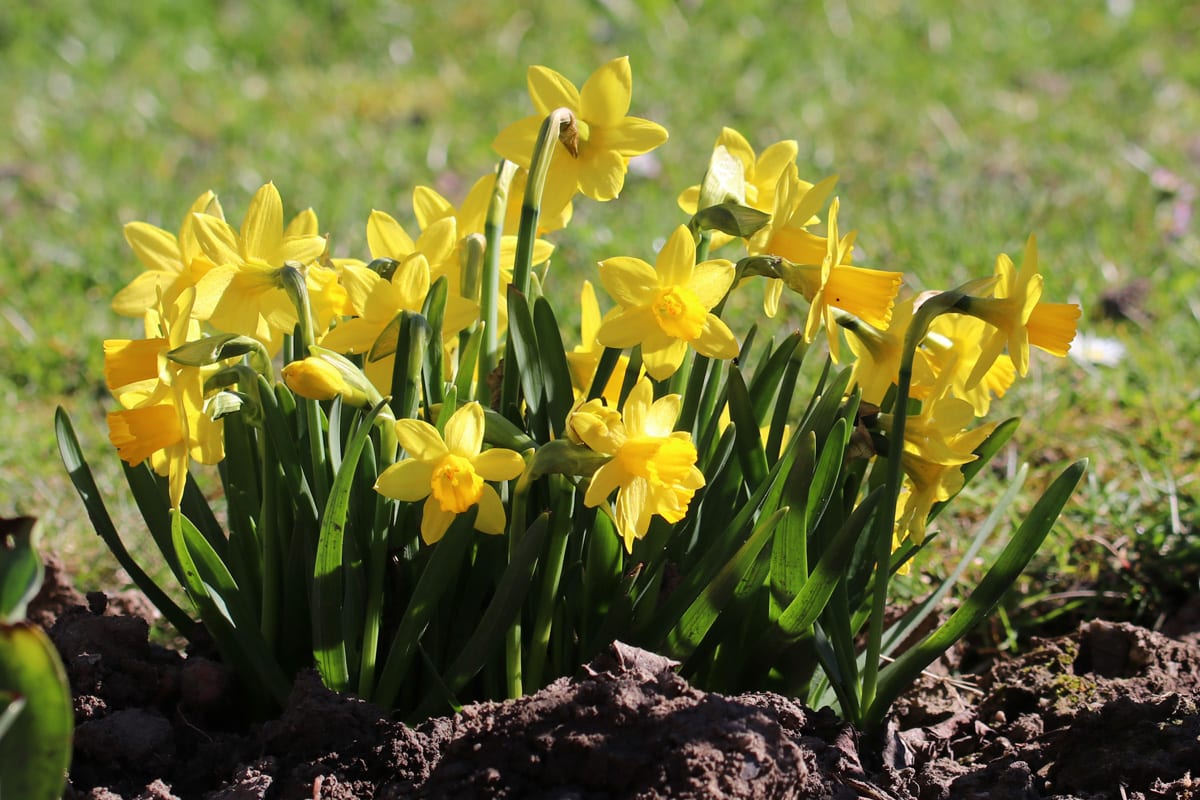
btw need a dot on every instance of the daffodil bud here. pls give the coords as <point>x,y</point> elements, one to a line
<point>314,378</point>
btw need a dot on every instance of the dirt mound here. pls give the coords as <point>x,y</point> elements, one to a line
<point>1108,712</point>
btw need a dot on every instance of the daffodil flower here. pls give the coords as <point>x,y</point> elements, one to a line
<point>936,445</point>
<point>760,175</point>
<point>171,262</point>
<point>163,418</point>
<point>244,293</point>
<point>607,138</point>
<point>667,307</point>
<point>450,473</point>
<point>653,469</point>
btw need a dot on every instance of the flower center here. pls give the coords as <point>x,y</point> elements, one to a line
<point>455,484</point>
<point>679,313</point>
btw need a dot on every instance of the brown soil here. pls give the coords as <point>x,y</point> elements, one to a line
<point>1110,711</point>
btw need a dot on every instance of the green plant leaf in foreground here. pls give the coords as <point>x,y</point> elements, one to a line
<point>898,675</point>
<point>37,720</point>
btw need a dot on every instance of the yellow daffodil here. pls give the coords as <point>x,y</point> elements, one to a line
<point>936,445</point>
<point>1012,312</point>
<point>760,175</point>
<point>653,468</point>
<point>666,308</point>
<point>606,137</point>
<point>171,262</point>
<point>786,234</point>
<point>878,352</point>
<point>865,293</point>
<point>163,418</point>
<point>244,293</point>
<point>953,343</point>
<point>584,359</point>
<point>381,300</point>
<point>450,473</point>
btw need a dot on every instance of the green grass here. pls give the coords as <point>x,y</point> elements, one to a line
<point>956,132</point>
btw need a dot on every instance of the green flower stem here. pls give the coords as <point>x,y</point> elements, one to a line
<point>294,284</point>
<point>556,550</point>
<point>885,521</point>
<point>489,288</point>
<point>559,120</point>
<point>513,681</point>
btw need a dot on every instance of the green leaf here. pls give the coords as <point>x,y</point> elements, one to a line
<point>328,592</point>
<point>442,572</point>
<point>224,610</point>
<point>799,616</point>
<point>694,623</point>
<point>899,675</point>
<point>409,337</point>
<point>556,375</point>
<point>20,567</point>
<point>501,611</point>
<point>433,369</point>
<point>85,485</point>
<point>35,750</point>
<point>789,551</point>
<point>528,363</point>
<point>747,439</point>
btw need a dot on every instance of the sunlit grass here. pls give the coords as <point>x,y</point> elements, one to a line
<point>956,133</point>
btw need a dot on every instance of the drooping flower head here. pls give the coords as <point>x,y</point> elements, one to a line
<point>667,308</point>
<point>606,137</point>
<point>449,472</point>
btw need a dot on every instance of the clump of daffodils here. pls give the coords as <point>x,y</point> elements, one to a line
<point>425,394</point>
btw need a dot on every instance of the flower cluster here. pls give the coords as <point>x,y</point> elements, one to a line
<point>667,469</point>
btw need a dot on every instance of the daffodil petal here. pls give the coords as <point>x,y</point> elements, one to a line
<point>498,464</point>
<point>434,521</point>
<point>661,364</point>
<point>464,430</point>
<point>420,439</point>
<point>630,281</point>
<point>550,90</point>
<point>711,281</point>
<point>677,259</point>
<point>634,136</point>
<point>604,99</point>
<point>407,480</point>
<point>604,481</point>
<point>716,340</point>
<point>604,175</point>
<point>386,238</point>
<point>490,518</point>
<point>623,328</point>
<point>155,248</point>
<point>516,141</point>
<point>664,412</point>
<point>429,206</point>
<point>262,229</point>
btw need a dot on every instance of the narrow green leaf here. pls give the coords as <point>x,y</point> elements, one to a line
<point>328,592</point>
<point>695,622</point>
<point>560,395</point>
<point>439,574</point>
<point>748,440</point>
<point>216,597</point>
<point>410,338</point>
<point>789,551</point>
<point>85,485</point>
<point>502,610</point>
<point>433,369</point>
<point>898,675</point>
<point>528,363</point>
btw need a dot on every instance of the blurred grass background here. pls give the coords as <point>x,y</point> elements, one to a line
<point>957,129</point>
